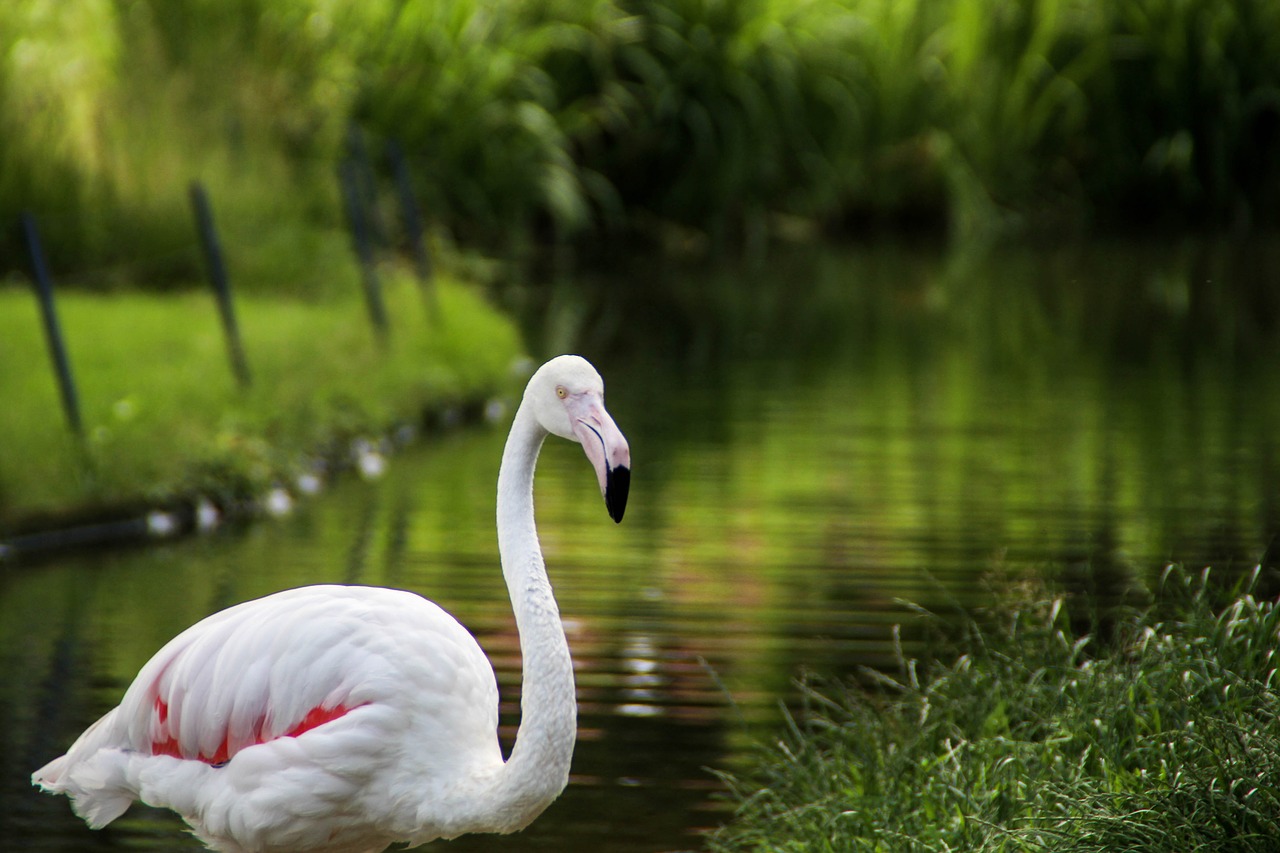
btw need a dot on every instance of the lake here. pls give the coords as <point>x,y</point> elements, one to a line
<point>824,442</point>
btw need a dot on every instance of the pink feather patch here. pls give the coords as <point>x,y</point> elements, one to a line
<point>168,744</point>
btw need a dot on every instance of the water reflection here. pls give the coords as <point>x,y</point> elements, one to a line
<point>880,427</point>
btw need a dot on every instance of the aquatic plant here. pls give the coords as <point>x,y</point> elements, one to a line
<point>1038,738</point>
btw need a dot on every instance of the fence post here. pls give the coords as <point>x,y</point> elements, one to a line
<point>52,329</point>
<point>365,183</point>
<point>410,215</point>
<point>217,271</point>
<point>364,249</point>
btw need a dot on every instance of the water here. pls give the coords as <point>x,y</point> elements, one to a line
<point>816,440</point>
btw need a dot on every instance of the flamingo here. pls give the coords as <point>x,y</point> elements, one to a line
<point>347,718</point>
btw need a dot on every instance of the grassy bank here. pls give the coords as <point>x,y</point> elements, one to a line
<point>1036,738</point>
<point>163,415</point>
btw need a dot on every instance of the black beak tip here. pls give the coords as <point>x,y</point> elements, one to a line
<point>617,484</point>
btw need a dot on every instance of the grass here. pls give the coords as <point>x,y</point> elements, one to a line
<point>163,415</point>
<point>1036,738</point>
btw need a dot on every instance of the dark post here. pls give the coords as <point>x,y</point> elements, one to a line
<point>218,279</point>
<point>364,249</point>
<point>52,329</point>
<point>409,212</point>
<point>365,183</point>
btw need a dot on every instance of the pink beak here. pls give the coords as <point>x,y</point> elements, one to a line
<point>607,449</point>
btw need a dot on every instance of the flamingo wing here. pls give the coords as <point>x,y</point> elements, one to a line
<point>271,668</point>
<point>365,668</point>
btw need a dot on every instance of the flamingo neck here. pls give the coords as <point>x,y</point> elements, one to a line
<point>538,768</point>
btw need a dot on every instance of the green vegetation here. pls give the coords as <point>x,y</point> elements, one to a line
<point>163,415</point>
<point>1037,738</point>
<point>692,118</point>
<point>110,109</point>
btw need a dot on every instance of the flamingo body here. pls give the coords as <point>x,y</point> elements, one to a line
<point>345,718</point>
<point>228,691</point>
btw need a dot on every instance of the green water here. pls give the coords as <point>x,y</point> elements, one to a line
<point>816,439</point>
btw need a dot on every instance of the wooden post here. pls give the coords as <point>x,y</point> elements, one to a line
<point>365,184</point>
<point>410,215</point>
<point>218,280</point>
<point>52,328</point>
<point>364,249</point>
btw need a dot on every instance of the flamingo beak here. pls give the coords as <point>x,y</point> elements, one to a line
<point>607,449</point>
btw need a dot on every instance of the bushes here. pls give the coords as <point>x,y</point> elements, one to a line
<point>1191,108</point>
<point>565,120</point>
<point>714,114</point>
<point>461,85</point>
<point>971,114</point>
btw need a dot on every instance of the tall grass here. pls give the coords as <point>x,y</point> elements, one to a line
<point>1036,738</point>
<point>561,120</point>
<point>110,109</point>
<point>57,75</point>
<point>1192,98</point>
<point>717,115</point>
<point>462,84</point>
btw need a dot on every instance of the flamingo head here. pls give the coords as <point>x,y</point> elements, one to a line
<point>567,395</point>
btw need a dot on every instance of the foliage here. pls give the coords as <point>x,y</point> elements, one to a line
<point>462,84</point>
<point>110,109</point>
<point>1038,739</point>
<point>716,115</point>
<point>57,75</point>
<point>1192,95</point>
<point>561,120</point>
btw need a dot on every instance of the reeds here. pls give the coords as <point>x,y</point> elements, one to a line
<point>558,120</point>
<point>717,115</point>
<point>1036,738</point>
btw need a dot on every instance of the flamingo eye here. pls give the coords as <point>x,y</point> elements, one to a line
<point>562,392</point>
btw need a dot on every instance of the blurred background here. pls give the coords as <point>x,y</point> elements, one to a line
<point>685,121</point>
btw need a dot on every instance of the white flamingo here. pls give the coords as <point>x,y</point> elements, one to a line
<point>336,718</point>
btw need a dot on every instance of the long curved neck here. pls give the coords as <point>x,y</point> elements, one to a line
<point>538,768</point>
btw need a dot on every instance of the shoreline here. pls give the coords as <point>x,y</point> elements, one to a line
<point>138,522</point>
<point>171,446</point>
